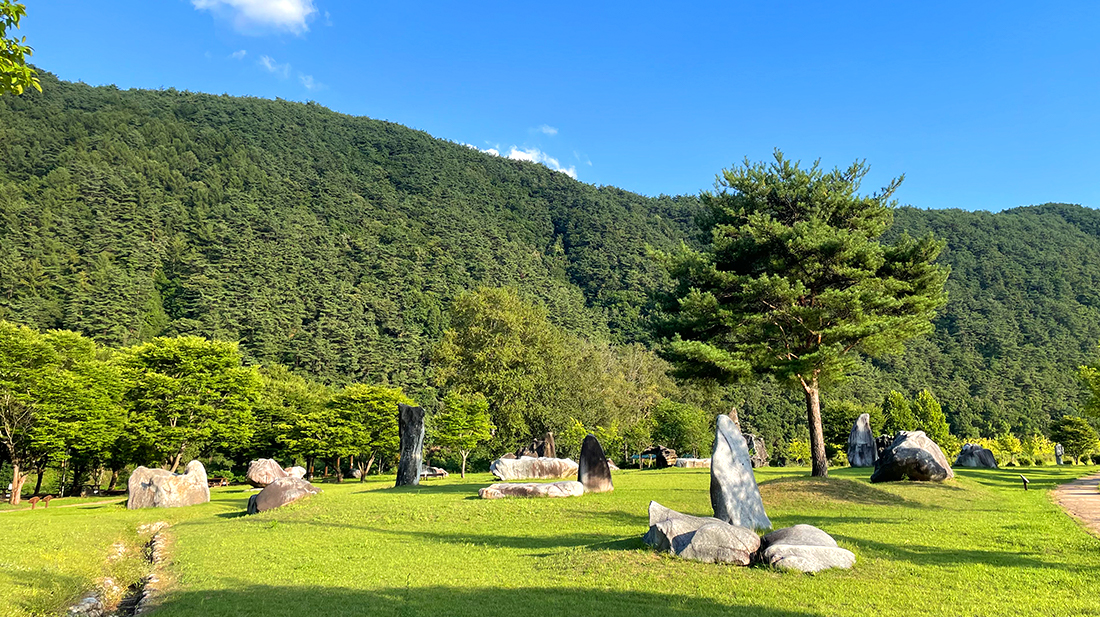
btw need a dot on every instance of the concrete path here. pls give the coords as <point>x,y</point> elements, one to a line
<point>1081,499</point>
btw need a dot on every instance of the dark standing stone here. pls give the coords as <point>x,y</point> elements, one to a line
<point>862,450</point>
<point>758,453</point>
<point>663,457</point>
<point>912,455</point>
<point>733,491</point>
<point>410,422</point>
<point>593,471</point>
<point>973,455</point>
<point>1059,452</point>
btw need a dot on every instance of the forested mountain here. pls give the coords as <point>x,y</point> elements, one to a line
<point>335,245</point>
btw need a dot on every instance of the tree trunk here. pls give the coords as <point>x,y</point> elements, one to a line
<point>38,482</point>
<point>18,477</point>
<point>176,461</point>
<point>309,467</point>
<point>465,453</point>
<point>817,434</point>
<point>339,470</point>
<point>370,463</point>
<point>114,480</point>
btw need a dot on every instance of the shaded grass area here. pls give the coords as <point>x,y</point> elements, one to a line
<point>977,545</point>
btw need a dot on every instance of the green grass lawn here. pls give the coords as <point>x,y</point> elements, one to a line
<point>978,545</point>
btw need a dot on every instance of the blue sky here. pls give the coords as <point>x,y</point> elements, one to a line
<point>982,105</point>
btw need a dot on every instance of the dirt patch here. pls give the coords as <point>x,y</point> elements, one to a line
<point>1081,500</point>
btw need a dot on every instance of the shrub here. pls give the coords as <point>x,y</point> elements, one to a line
<point>1096,459</point>
<point>1024,461</point>
<point>1039,462</point>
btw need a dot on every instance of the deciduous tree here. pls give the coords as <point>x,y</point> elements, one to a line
<point>462,425</point>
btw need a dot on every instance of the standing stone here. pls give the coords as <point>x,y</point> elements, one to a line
<point>912,455</point>
<point>410,422</point>
<point>733,491</point>
<point>1059,452</point>
<point>758,453</point>
<point>662,456</point>
<point>160,488</point>
<point>862,450</point>
<point>592,469</point>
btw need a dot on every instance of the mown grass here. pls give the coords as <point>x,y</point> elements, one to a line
<point>978,545</point>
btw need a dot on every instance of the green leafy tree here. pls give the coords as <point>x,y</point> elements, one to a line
<point>637,437</point>
<point>1076,435</point>
<point>365,424</point>
<point>190,392</point>
<point>462,425</point>
<point>285,399</point>
<point>15,75</point>
<point>931,419</point>
<point>798,450</point>
<point>897,414</point>
<point>837,418</point>
<point>568,442</point>
<point>682,427</point>
<point>796,283</point>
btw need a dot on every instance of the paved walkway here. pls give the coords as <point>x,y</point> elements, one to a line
<point>1081,499</point>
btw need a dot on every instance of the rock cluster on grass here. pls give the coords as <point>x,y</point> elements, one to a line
<point>862,451</point>
<point>699,538</point>
<point>914,456</point>
<point>410,426</point>
<point>528,468</point>
<point>568,488</point>
<point>539,448</point>
<point>693,462</point>
<point>804,548</point>
<point>592,469</point>
<point>733,491</point>
<point>974,455</point>
<point>160,488</point>
<point>662,456</point>
<point>434,472</point>
<point>264,471</point>
<point>279,493</point>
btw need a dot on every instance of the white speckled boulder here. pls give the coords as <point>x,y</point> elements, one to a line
<point>569,488</point>
<point>530,468</point>
<point>804,548</point>
<point>160,488</point>
<point>733,491</point>
<point>699,538</point>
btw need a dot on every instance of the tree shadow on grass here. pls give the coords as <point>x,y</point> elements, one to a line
<point>922,555</point>
<point>840,489</point>
<point>1039,478</point>
<point>413,601</point>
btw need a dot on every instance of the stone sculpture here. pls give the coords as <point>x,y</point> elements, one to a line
<point>733,491</point>
<point>279,493</point>
<point>663,457</point>
<point>160,488</point>
<point>912,455</point>
<point>758,454</point>
<point>264,471</point>
<point>592,469</point>
<point>528,468</point>
<point>693,462</point>
<point>699,538</point>
<point>804,548</point>
<point>862,450</point>
<point>973,455</point>
<point>410,422</point>
<point>568,488</point>
<point>1059,452</point>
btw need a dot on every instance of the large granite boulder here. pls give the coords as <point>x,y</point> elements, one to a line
<point>881,443</point>
<point>693,462</point>
<point>862,451</point>
<point>804,548</point>
<point>295,472</point>
<point>410,426</point>
<point>592,469</point>
<point>264,471</point>
<point>160,488</point>
<point>973,455</point>
<point>733,491</point>
<point>529,468</point>
<point>279,493</point>
<point>699,538</point>
<point>434,472</point>
<point>568,488</point>
<point>758,454</point>
<point>912,455</point>
<point>663,457</point>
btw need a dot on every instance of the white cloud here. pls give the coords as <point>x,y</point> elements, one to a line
<point>548,130</point>
<point>269,63</point>
<point>531,155</point>
<point>309,82</point>
<point>237,55</point>
<point>248,15</point>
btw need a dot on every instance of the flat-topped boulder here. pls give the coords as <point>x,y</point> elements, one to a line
<point>693,462</point>
<point>530,468</point>
<point>699,538</point>
<point>279,493</point>
<point>734,494</point>
<point>433,472</point>
<point>160,488</point>
<point>568,488</point>
<point>862,451</point>
<point>804,548</point>
<point>264,471</point>
<point>662,456</point>
<point>974,455</point>
<point>592,468</point>
<point>914,456</point>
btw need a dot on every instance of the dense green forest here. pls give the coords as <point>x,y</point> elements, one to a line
<point>336,245</point>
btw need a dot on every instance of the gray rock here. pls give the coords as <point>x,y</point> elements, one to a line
<point>592,469</point>
<point>733,491</point>
<point>264,471</point>
<point>295,472</point>
<point>410,421</point>
<point>434,472</point>
<point>804,548</point>
<point>693,462</point>
<point>973,455</point>
<point>569,488</point>
<point>758,454</point>
<point>699,538</point>
<point>528,468</point>
<point>279,493</point>
<point>160,488</point>
<point>1059,452</point>
<point>861,443</point>
<point>912,455</point>
<point>663,457</point>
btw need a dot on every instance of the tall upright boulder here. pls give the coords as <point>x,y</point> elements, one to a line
<point>758,453</point>
<point>733,491</point>
<point>914,456</point>
<point>862,451</point>
<point>592,469</point>
<point>160,488</point>
<point>410,424</point>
